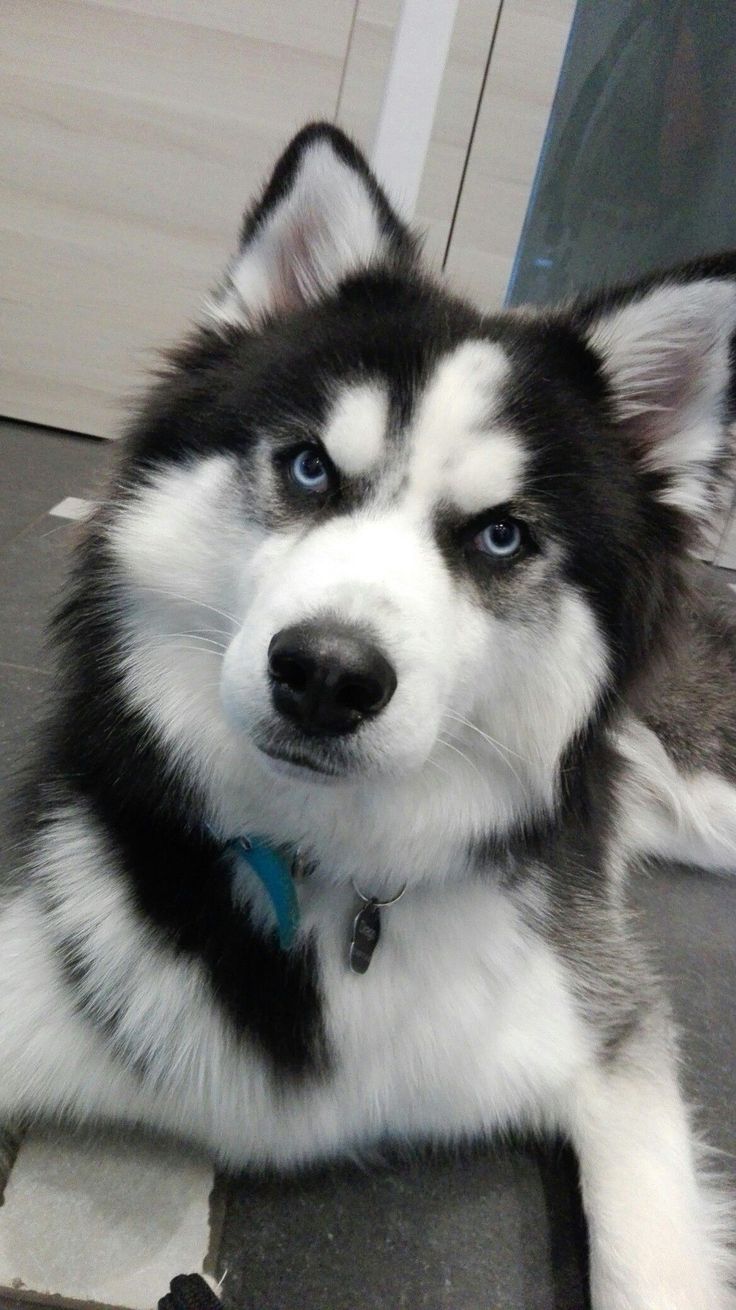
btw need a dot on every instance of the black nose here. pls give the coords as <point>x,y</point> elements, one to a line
<point>328,678</point>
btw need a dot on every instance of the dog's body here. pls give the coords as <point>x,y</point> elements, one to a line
<point>407,590</point>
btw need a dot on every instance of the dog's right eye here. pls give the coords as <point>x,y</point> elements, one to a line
<point>309,470</point>
<point>501,539</point>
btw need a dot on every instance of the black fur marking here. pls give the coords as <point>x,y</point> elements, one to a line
<point>222,392</point>
<point>680,693</point>
<point>102,751</point>
<point>586,491</point>
<point>182,886</point>
<point>608,971</point>
<point>103,1014</point>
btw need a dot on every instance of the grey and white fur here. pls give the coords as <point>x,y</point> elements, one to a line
<point>408,588</point>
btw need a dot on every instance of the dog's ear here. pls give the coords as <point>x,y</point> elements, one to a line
<point>321,218</point>
<point>666,355</point>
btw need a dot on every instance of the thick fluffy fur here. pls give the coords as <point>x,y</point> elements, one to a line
<point>550,719</point>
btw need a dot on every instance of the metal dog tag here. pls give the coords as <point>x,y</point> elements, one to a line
<point>366,936</point>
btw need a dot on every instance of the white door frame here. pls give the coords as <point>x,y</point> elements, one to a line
<point>420,49</point>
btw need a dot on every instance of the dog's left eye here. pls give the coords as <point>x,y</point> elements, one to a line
<point>501,539</point>
<point>309,471</point>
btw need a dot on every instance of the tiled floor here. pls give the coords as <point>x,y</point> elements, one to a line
<point>103,1220</point>
<point>447,1233</point>
<point>37,470</point>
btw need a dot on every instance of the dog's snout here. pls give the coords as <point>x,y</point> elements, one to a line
<point>328,678</point>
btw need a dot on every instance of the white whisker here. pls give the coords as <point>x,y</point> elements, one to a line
<point>443,742</point>
<point>196,650</point>
<point>492,740</point>
<point>190,600</point>
<point>494,745</point>
<point>195,636</point>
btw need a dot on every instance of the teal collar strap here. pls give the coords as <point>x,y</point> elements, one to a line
<point>274,875</point>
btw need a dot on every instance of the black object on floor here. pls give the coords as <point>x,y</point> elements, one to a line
<point>189,1292</point>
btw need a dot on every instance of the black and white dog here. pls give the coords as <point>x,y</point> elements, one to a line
<point>391,601</point>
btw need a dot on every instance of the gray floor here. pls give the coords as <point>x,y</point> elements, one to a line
<point>38,469</point>
<point>464,1232</point>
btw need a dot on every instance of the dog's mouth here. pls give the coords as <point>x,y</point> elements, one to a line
<point>308,760</point>
<point>292,765</point>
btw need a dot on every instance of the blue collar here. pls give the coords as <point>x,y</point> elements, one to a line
<point>274,874</point>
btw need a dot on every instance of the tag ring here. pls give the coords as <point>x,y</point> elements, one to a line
<point>378,905</point>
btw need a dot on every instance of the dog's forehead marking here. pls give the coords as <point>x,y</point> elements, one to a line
<point>355,432</point>
<point>460,452</point>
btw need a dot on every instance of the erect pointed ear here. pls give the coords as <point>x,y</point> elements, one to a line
<point>666,354</point>
<point>321,218</point>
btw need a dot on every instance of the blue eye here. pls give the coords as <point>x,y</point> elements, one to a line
<point>309,471</point>
<point>500,540</point>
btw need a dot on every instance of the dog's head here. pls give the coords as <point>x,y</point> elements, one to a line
<point>369,533</point>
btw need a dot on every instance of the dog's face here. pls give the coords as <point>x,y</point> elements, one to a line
<point>402,582</point>
<point>380,536</point>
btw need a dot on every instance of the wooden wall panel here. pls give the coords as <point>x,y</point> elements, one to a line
<point>517,99</point>
<point>451,132</point>
<point>132,132</point>
<point>366,67</point>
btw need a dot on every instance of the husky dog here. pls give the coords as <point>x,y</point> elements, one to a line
<point>399,594</point>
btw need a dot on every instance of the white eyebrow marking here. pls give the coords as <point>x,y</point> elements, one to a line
<point>355,433</point>
<point>461,453</point>
<point>487,472</point>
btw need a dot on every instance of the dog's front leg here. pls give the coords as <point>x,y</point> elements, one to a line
<point>657,1227</point>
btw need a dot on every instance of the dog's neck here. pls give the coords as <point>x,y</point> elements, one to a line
<point>428,829</point>
<point>431,828</point>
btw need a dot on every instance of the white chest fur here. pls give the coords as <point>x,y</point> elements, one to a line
<point>463,1022</point>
